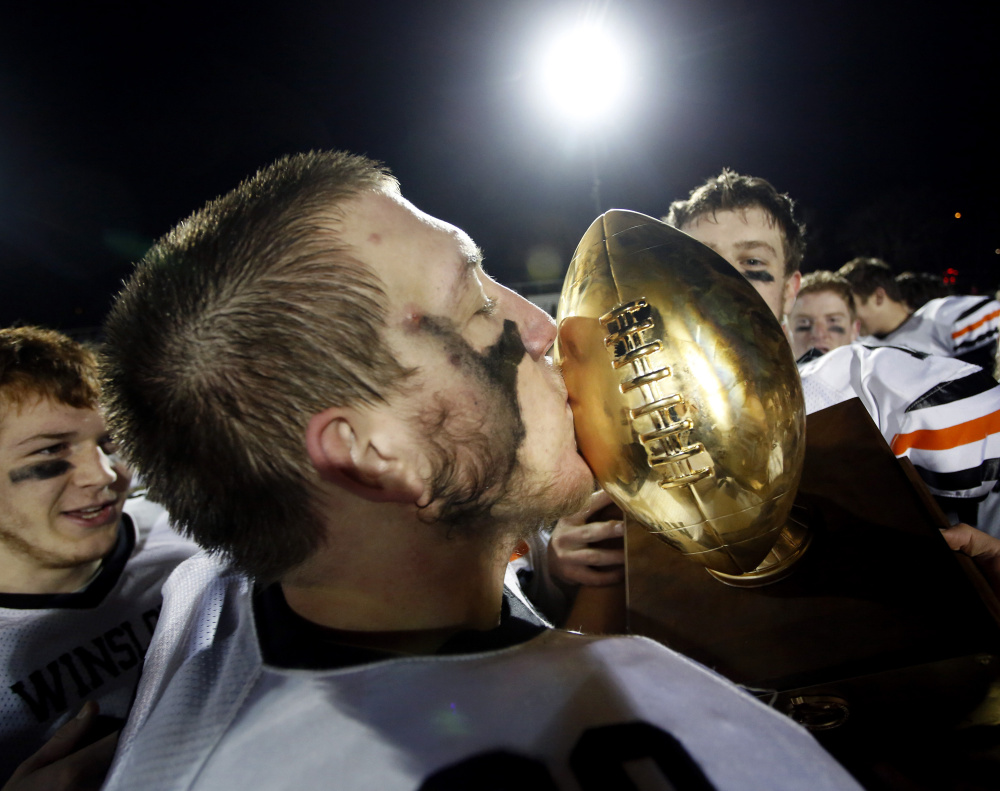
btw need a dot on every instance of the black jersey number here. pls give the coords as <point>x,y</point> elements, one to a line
<point>598,762</point>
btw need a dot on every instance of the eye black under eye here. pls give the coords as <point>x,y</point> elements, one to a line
<point>760,275</point>
<point>42,471</point>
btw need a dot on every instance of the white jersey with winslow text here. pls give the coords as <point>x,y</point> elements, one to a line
<point>557,711</point>
<point>59,650</point>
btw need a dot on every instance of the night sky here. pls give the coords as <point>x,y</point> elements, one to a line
<point>117,120</point>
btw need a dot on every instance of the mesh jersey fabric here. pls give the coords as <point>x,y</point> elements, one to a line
<point>58,651</point>
<point>557,711</point>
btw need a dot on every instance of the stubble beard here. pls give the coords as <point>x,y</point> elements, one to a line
<point>483,490</point>
<point>13,543</point>
<point>480,487</point>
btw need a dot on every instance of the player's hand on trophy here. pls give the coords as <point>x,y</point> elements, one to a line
<point>587,547</point>
<point>63,763</point>
<point>983,548</point>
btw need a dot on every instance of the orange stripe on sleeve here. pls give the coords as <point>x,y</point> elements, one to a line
<point>945,438</point>
<point>980,323</point>
<point>520,550</point>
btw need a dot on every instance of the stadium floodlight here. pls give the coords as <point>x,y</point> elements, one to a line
<point>584,75</point>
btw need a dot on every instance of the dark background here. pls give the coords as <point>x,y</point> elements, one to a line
<point>117,120</point>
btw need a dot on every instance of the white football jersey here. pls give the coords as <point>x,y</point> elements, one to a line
<point>544,709</point>
<point>59,650</point>
<point>941,413</point>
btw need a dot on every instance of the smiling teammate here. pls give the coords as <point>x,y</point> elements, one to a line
<point>77,602</point>
<point>362,425</point>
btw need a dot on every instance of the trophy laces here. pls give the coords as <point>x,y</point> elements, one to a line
<point>667,445</point>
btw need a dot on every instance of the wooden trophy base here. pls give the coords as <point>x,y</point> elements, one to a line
<point>877,596</point>
<point>880,631</point>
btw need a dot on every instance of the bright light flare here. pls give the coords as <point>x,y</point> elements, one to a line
<point>584,74</point>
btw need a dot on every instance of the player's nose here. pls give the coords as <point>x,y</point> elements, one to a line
<point>538,330</point>
<point>93,467</point>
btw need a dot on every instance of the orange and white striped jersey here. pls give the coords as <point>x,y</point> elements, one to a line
<point>964,327</point>
<point>941,413</point>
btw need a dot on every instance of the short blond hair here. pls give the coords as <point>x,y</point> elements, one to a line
<point>240,324</point>
<point>817,282</point>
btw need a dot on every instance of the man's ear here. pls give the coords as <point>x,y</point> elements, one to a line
<point>359,451</point>
<point>879,295</point>
<point>792,284</point>
<point>855,332</point>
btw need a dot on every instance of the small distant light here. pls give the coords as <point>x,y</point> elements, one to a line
<point>543,262</point>
<point>997,251</point>
<point>958,215</point>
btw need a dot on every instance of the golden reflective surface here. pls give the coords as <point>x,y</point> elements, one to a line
<point>687,403</point>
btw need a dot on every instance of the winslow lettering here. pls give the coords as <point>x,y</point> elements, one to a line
<point>72,676</point>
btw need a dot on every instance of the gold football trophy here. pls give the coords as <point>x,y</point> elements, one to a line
<point>687,403</point>
<point>689,410</point>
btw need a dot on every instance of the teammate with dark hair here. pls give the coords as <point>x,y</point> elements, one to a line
<point>965,327</point>
<point>753,226</point>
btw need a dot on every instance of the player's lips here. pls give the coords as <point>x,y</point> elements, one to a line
<point>558,379</point>
<point>97,515</point>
